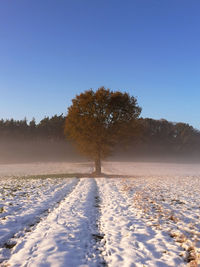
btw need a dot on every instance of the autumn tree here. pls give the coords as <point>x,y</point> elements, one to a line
<point>97,120</point>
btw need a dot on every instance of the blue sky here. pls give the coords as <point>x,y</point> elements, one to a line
<point>51,50</point>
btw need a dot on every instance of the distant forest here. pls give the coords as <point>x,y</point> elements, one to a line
<point>22,141</point>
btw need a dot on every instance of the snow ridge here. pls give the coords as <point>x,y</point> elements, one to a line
<point>129,241</point>
<point>32,213</point>
<point>66,237</point>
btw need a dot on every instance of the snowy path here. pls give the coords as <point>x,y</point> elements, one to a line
<point>129,241</point>
<point>65,238</point>
<point>26,203</point>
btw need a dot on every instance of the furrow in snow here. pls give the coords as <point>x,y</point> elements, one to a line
<point>66,237</point>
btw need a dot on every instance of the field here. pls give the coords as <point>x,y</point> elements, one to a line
<point>149,215</point>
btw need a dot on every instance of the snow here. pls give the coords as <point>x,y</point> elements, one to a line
<point>65,237</point>
<point>129,239</point>
<point>150,216</point>
<point>151,169</point>
<point>40,168</point>
<point>24,201</point>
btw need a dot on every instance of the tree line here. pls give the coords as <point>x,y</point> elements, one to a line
<point>50,129</point>
<point>156,136</point>
<point>162,137</point>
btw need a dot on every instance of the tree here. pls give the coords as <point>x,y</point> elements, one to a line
<point>96,121</point>
<point>52,128</point>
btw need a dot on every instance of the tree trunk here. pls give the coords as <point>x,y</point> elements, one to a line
<point>98,166</point>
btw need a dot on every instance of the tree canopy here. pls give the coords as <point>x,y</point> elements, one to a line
<point>97,120</point>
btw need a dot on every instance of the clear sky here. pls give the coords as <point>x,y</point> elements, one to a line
<point>51,50</point>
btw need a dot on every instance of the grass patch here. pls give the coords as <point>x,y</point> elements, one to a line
<point>72,175</point>
<point>2,209</point>
<point>56,175</point>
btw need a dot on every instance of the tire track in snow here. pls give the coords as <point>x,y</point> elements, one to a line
<point>27,224</point>
<point>99,235</point>
<point>68,235</point>
<point>129,241</point>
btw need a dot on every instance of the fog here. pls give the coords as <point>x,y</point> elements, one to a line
<point>37,151</point>
<point>12,151</point>
<point>137,152</point>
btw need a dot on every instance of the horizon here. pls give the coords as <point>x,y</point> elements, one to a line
<point>50,53</point>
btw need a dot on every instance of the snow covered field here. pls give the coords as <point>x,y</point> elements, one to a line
<point>10,170</point>
<point>151,218</point>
